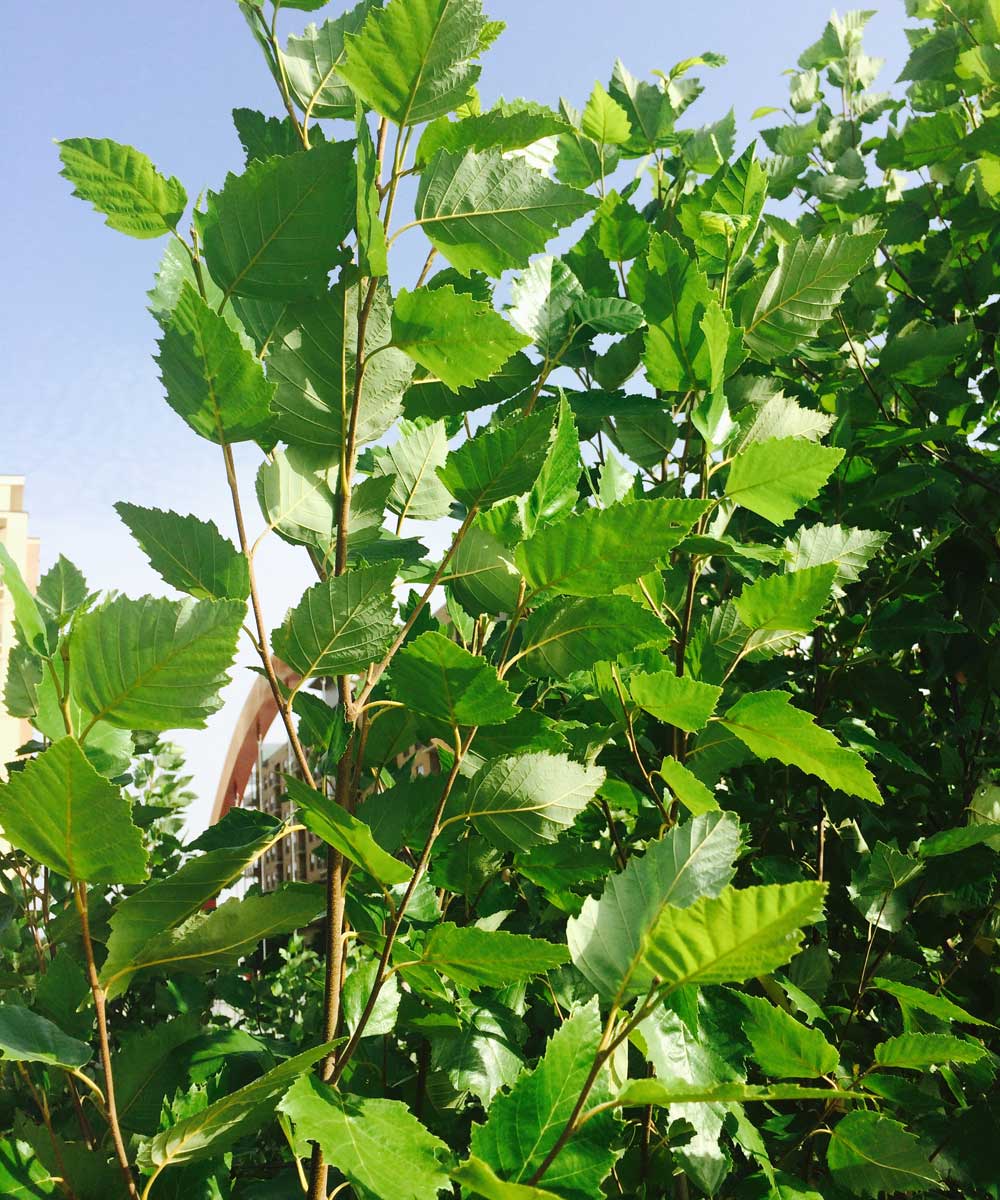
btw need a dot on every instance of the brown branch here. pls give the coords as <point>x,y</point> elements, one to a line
<point>100,1008</point>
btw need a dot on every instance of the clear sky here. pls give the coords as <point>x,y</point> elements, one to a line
<point>81,410</point>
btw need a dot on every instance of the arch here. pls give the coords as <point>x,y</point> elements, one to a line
<point>255,719</point>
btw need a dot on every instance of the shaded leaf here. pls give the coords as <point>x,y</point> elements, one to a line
<point>27,1037</point>
<point>870,1154</point>
<point>211,1131</point>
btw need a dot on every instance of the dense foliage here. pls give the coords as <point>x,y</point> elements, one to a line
<point>702,900</point>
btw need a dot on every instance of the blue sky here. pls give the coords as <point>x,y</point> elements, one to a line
<point>81,412</point>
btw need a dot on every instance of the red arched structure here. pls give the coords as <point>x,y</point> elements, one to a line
<point>255,719</point>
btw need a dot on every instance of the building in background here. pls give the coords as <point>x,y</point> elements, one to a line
<point>23,549</point>
<point>253,777</point>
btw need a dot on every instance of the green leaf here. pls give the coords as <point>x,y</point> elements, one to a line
<point>481,575</point>
<point>604,120</point>
<point>927,1002</point>
<point>708,148</point>
<point>212,381</point>
<point>527,799</point>
<point>608,314</point>
<point>556,490</point>
<point>687,787</point>
<point>189,554</point>
<point>108,749</point>
<point>379,1145</point>
<point>772,727</point>
<point>274,232</point>
<point>476,958</point>
<point>295,496</point>
<point>262,137</point>
<point>652,1091</point>
<point>341,625</point>
<point>358,985</point>
<point>411,61</point>
<point>482,1056</point>
<point>210,1132</point>
<point>780,417</point>
<point>155,664</point>
<point>674,295</point>
<point>457,338</point>
<point>675,699</point>
<point>413,460</point>
<point>433,675</point>
<point>784,1047</point>
<point>790,602</point>
<point>734,197</point>
<point>572,634</point>
<point>649,110</point>
<point>24,673</point>
<point>506,126</point>
<point>219,940</point>
<point>148,1069</point>
<point>27,1037</point>
<point>62,590</point>
<point>52,807</point>
<point>498,463</point>
<point>543,300</point>
<point>922,354</point>
<point>870,1154</point>
<point>123,185</point>
<point>338,828</point>
<point>593,552</point>
<point>312,64</point>
<point>313,362</point>
<point>775,478</point>
<point>27,615</point>
<point>622,234</point>
<point>487,212</point>
<point>523,1125</point>
<point>781,311</point>
<point>732,937</point>
<point>850,550</point>
<point>481,1180</point>
<point>606,941</point>
<point>920,1050</point>
<point>166,903</point>
<point>373,249</point>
